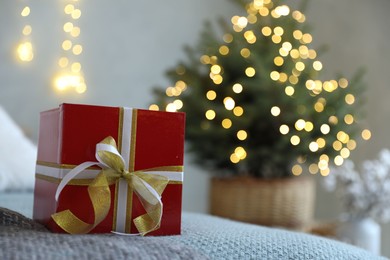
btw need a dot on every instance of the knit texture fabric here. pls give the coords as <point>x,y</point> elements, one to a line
<point>203,237</point>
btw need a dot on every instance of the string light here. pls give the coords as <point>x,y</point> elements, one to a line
<point>70,75</point>
<point>24,49</point>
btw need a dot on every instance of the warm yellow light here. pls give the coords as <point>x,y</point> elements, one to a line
<point>313,168</point>
<point>170,107</point>
<point>293,79</point>
<point>278,61</point>
<point>297,15</point>
<point>25,52</point>
<point>330,86</point>
<point>242,135</point>
<point>76,14</point>
<point>319,107</point>
<point>217,79</point>
<point>245,52</point>
<point>204,59</point>
<point>154,107</point>
<point>333,120</point>
<point>284,129</point>
<point>295,140</point>
<point>324,157</point>
<point>317,65</point>
<point>309,126</point>
<point>282,10</point>
<point>234,158</point>
<point>237,88</point>
<point>294,53</point>
<point>313,146</point>
<point>229,103</point>
<point>27,30</point>
<point>75,32</point>
<point>66,45</point>
<point>366,134</point>
<point>252,19</point>
<point>226,123</point>
<point>325,172</point>
<point>242,22</point>
<point>283,77</point>
<point>345,153</point>
<point>215,69</point>
<point>275,111</point>
<point>342,137</point>
<point>76,67</point>
<point>250,37</point>
<point>337,145</point>
<point>323,165</point>
<point>210,114</point>
<point>178,103</point>
<point>82,88</point>
<point>300,66</point>
<point>349,99</point>
<point>296,170</point>
<point>211,95</point>
<point>351,145</point>
<point>238,111</point>
<point>240,152</point>
<point>338,160</point>
<point>275,75</point>
<point>321,142</point>
<point>68,27</point>
<point>307,38</point>
<point>25,12</point>
<point>66,81</point>
<point>264,11</point>
<point>266,31</point>
<point>181,85</point>
<point>69,9</point>
<point>278,31</point>
<point>300,124</point>
<point>289,91</point>
<point>77,49</point>
<point>276,39</point>
<point>297,34</point>
<point>224,50</point>
<point>348,119</point>
<point>312,54</point>
<point>228,38</point>
<point>63,62</point>
<point>250,72</point>
<point>343,83</point>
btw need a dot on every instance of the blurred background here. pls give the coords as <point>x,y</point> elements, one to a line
<point>124,48</point>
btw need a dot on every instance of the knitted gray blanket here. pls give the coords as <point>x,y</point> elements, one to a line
<point>22,238</point>
<point>203,236</point>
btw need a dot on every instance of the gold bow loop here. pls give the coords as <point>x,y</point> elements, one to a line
<point>148,187</point>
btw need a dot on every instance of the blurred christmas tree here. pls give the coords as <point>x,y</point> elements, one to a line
<point>254,100</point>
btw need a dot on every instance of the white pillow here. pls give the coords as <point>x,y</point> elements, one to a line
<point>17,156</point>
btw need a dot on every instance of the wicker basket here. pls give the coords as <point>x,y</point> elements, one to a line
<point>276,202</point>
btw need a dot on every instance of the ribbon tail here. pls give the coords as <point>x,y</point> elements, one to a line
<point>150,221</point>
<point>150,197</point>
<point>100,195</point>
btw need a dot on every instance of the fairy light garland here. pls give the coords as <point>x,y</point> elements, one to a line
<point>70,75</point>
<point>24,49</point>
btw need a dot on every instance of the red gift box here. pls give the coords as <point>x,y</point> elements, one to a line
<point>149,141</point>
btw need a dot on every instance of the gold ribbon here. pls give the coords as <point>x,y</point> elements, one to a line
<point>148,188</point>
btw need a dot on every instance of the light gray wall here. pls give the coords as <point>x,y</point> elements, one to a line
<point>128,45</point>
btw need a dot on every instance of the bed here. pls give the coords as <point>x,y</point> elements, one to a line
<point>203,237</point>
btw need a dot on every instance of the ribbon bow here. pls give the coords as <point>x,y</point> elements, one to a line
<point>148,188</point>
